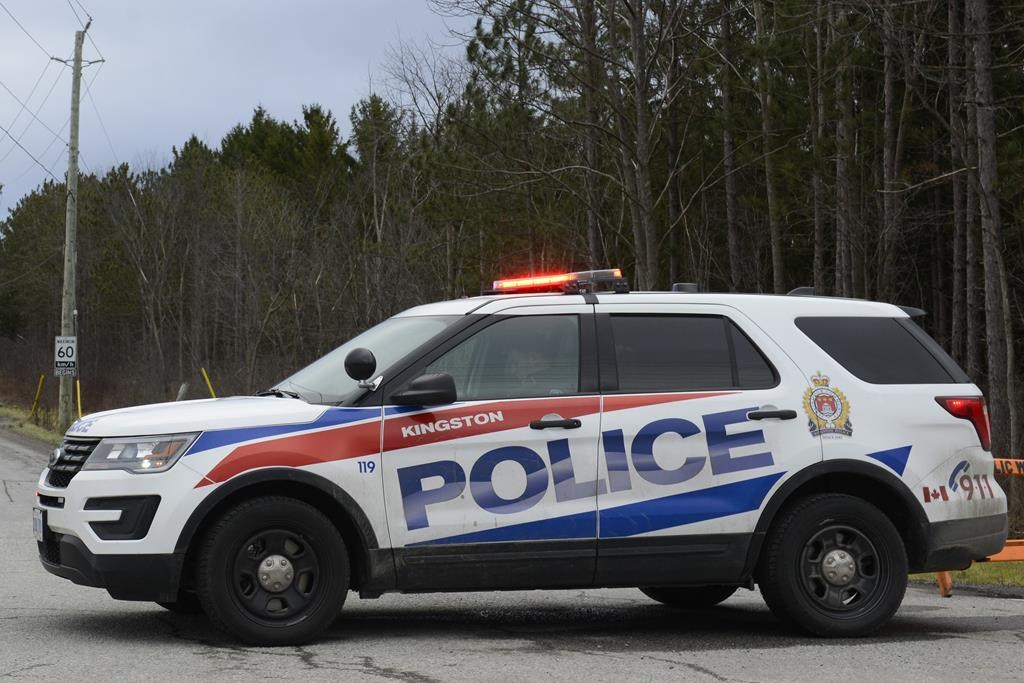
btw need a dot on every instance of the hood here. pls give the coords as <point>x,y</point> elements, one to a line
<point>196,416</point>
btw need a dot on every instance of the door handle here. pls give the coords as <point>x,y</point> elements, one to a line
<point>771,415</point>
<point>555,422</point>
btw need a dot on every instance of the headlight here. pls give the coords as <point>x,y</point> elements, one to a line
<point>139,453</point>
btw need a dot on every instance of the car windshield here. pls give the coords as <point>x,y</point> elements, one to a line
<point>325,380</point>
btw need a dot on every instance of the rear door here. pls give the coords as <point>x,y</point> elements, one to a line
<point>498,490</point>
<point>889,380</point>
<point>700,423</point>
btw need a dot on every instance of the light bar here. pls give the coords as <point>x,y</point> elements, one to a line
<point>571,283</point>
<point>530,282</point>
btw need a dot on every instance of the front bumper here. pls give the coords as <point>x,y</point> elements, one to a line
<point>151,578</point>
<point>956,543</point>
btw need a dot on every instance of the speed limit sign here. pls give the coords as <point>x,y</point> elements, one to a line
<point>65,356</point>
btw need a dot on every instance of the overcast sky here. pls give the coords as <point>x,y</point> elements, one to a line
<point>179,67</point>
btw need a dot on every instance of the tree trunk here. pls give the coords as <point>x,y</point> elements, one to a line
<point>764,93</point>
<point>844,203</point>
<point>996,331</point>
<point>817,95</point>
<point>595,250</point>
<point>887,245</point>
<point>671,154</point>
<point>956,161</point>
<point>630,189</point>
<point>642,135</point>
<point>729,155</point>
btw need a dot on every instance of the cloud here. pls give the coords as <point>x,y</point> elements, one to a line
<point>177,68</point>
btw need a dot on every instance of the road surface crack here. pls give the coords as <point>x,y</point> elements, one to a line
<point>370,666</point>
<point>697,669</point>
<point>13,672</point>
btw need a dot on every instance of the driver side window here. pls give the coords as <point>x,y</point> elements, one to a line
<point>519,357</point>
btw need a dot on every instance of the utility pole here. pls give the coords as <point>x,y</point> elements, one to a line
<point>67,305</point>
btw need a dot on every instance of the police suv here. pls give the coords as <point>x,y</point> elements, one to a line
<point>559,432</point>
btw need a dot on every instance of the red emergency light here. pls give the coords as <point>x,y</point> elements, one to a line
<point>609,279</point>
<point>531,282</point>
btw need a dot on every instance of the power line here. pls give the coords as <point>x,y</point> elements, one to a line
<point>31,93</point>
<point>34,268</point>
<point>88,91</point>
<point>49,170</point>
<point>24,106</point>
<point>113,152</point>
<point>75,12</point>
<point>103,127</point>
<point>53,86</point>
<point>85,24</point>
<point>31,156</point>
<point>24,30</point>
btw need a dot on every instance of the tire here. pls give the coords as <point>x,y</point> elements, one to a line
<point>187,603</point>
<point>306,585</point>
<point>833,566</point>
<point>695,597</point>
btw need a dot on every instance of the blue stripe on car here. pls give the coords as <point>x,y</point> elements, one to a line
<point>894,458</point>
<point>686,508</point>
<point>634,518</point>
<point>331,417</point>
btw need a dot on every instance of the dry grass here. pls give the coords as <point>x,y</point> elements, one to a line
<point>41,427</point>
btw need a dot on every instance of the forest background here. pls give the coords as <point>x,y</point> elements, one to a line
<point>867,148</point>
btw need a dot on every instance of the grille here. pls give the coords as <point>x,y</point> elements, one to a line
<point>73,454</point>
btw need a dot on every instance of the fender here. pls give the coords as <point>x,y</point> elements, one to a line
<point>378,564</point>
<point>887,486</point>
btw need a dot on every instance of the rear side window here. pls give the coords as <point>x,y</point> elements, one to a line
<point>685,353</point>
<point>883,350</point>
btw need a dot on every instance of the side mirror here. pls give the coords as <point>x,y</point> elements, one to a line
<point>360,364</point>
<point>427,390</point>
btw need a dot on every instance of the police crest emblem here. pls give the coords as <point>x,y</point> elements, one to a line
<point>827,408</point>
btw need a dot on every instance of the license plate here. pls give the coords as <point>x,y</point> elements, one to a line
<point>38,523</point>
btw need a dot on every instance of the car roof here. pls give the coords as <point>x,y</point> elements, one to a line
<point>756,305</point>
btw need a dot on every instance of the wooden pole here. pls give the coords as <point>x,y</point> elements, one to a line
<point>67,305</point>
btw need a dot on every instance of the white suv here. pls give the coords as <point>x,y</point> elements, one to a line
<point>687,444</point>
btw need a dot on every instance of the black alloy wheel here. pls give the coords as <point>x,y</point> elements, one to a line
<point>839,568</point>
<point>833,565</point>
<point>273,571</point>
<point>275,575</point>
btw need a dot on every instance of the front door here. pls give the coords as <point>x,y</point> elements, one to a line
<point>499,490</point>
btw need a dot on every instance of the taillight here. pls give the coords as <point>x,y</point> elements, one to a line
<point>970,408</point>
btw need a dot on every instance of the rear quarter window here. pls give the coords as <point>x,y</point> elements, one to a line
<point>883,350</point>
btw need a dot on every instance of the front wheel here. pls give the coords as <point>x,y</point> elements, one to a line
<point>273,571</point>
<point>834,566</point>
<point>689,597</point>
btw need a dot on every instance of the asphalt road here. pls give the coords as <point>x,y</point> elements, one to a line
<point>51,629</point>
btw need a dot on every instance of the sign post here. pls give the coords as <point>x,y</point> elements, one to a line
<point>65,356</point>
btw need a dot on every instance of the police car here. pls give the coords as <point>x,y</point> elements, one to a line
<point>558,432</point>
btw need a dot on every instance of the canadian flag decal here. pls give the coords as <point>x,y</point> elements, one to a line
<point>931,494</point>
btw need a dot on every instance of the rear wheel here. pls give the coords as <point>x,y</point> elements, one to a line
<point>273,571</point>
<point>834,566</point>
<point>689,596</point>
